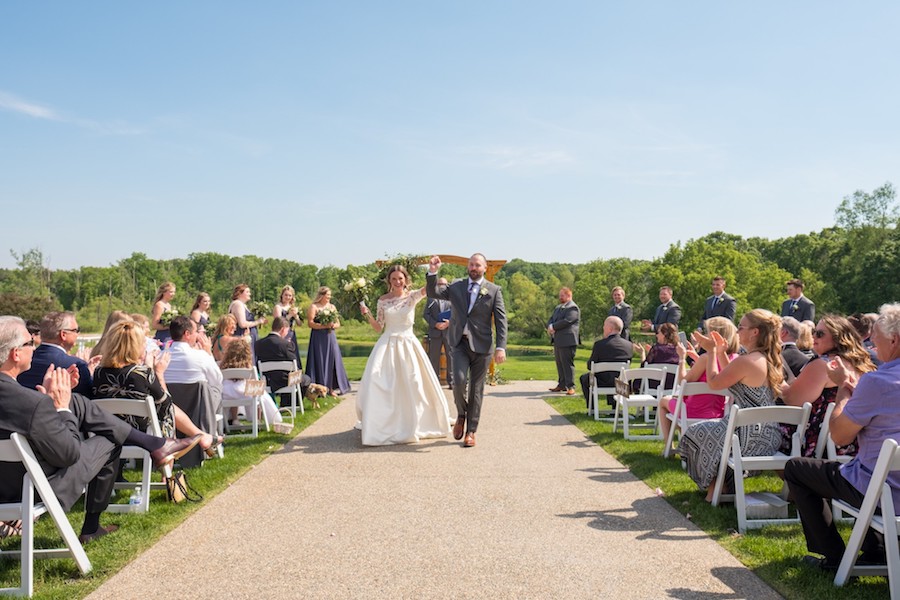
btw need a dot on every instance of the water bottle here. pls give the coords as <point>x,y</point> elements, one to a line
<point>134,501</point>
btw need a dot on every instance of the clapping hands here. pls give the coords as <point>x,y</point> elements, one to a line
<point>713,342</point>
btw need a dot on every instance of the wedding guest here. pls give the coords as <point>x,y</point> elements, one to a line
<point>224,335</point>
<point>752,379</point>
<point>701,406</point>
<point>34,330</point>
<point>833,337</point>
<point>113,318</point>
<point>59,332</point>
<point>867,409</point>
<point>276,347</point>
<point>126,371</point>
<point>238,356</point>
<point>151,343</point>
<point>805,339</point>
<point>200,310</point>
<point>242,315</point>
<point>793,358</point>
<point>286,309</point>
<point>622,310</point>
<point>162,303</point>
<point>324,364</point>
<point>863,323</point>
<point>610,348</point>
<point>664,351</point>
<point>189,364</point>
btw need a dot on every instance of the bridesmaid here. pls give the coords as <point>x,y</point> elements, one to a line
<point>286,309</point>
<point>200,310</point>
<point>324,364</point>
<point>162,303</point>
<point>243,317</point>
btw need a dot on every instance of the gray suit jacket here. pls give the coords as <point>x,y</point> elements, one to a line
<point>626,313</point>
<point>432,314</point>
<point>726,307</point>
<point>565,321</point>
<point>488,305</point>
<point>666,313</point>
<point>805,311</point>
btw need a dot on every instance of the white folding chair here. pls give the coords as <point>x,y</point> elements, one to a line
<point>647,398</point>
<point>139,408</point>
<point>252,404</point>
<point>879,491</point>
<point>669,369</point>
<point>17,449</point>
<point>595,391</point>
<point>294,390</point>
<point>679,418</point>
<point>733,458</point>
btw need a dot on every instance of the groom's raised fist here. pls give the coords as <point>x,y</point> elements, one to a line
<point>434,264</point>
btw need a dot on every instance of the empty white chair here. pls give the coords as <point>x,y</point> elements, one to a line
<point>878,492</point>
<point>595,391</point>
<point>679,418</point>
<point>252,403</point>
<point>17,449</point>
<point>647,398</point>
<point>294,390</point>
<point>733,458</point>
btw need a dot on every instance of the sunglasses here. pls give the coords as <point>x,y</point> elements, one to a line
<point>819,333</point>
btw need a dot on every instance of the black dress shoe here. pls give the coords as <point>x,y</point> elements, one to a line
<point>558,388</point>
<point>85,538</point>
<point>172,450</point>
<point>819,563</point>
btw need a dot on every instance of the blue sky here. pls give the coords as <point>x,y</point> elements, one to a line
<point>344,132</point>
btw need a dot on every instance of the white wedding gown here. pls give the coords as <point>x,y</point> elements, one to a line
<point>400,399</point>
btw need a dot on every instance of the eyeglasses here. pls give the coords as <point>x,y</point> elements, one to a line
<point>28,344</point>
<point>819,333</point>
<point>76,330</point>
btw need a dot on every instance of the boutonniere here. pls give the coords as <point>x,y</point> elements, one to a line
<point>483,291</point>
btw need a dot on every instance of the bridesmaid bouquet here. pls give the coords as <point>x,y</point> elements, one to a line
<point>168,316</point>
<point>259,309</point>
<point>359,289</point>
<point>326,316</point>
<point>210,329</point>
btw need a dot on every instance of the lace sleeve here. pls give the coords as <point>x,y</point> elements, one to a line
<point>379,312</point>
<point>417,295</point>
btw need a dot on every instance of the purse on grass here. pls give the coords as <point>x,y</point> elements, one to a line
<point>179,490</point>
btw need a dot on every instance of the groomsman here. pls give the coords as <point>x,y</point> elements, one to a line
<point>563,330</point>
<point>622,310</point>
<point>437,315</point>
<point>719,304</point>
<point>797,305</point>
<point>666,312</point>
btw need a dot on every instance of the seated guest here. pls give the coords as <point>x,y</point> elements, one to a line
<point>752,379</point>
<point>150,342</point>
<point>188,364</point>
<point>277,346</point>
<point>862,323</point>
<point>805,339</point>
<point>114,317</point>
<point>662,352</point>
<point>612,348</point>
<point>867,409</point>
<point>59,333</point>
<point>34,330</point>
<point>55,421</point>
<point>126,371</point>
<point>794,360</point>
<point>701,406</point>
<point>238,356</point>
<point>834,337</point>
<point>224,335</point>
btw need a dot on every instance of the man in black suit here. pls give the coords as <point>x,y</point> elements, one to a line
<point>719,304</point>
<point>612,348</point>
<point>791,356</point>
<point>55,421</point>
<point>797,305</point>
<point>622,310</point>
<point>436,314</point>
<point>275,347</point>
<point>666,312</point>
<point>59,334</point>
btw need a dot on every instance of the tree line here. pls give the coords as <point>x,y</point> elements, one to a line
<point>849,267</point>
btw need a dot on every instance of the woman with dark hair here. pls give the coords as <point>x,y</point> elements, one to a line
<point>753,379</point>
<point>238,356</point>
<point>400,398</point>
<point>834,336</point>
<point>324,364</point>
<point>200,310</point>
<point>243,318</point>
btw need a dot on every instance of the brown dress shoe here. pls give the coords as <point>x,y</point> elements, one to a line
<point>470,440</point>
<point>558,388</point>
<point>458,428</point>
<point>172,450</point>
<point>85,538</point>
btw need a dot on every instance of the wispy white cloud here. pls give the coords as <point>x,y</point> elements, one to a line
<point>13,103</point>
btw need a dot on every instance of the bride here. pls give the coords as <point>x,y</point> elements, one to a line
<point>400,399</point>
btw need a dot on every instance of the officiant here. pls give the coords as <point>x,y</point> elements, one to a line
<point>437,315</point>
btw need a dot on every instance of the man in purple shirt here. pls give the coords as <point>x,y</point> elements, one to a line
<point>867,410</point>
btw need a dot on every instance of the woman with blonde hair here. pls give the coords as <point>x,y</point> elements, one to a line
<point>286,309</point>
<point>700,406</point>
<point>200,310</point>
<point>161,303</point>
<point>126,371</point>
<point>113,318</point>
<point>752,379</point>
<point>224,335</point>
<point>324,364</point>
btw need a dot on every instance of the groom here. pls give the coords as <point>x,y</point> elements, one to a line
<point>473,302</point>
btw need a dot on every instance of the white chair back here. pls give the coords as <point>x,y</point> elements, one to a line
<point>679,416</point>
<point>294,391</point>
<point>596,391</point>
<point>647,398</point>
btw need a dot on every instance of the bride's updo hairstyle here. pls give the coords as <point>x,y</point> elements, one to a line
<point>394,269</point>
<point>769,343</point>
<point>321,293</point>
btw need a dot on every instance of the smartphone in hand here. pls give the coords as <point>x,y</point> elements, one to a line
<point>682,339</point>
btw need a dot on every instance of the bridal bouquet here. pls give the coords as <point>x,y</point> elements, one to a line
<point>167,316</point>
<point>259,309</point>
<point>359,289</point>
<point>326,316</point>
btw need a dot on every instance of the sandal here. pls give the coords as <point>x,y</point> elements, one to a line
<point>10,528</point>
<point>214,446</point>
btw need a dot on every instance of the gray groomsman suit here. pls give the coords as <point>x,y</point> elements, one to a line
<point>666,313</point>
<point>470,338</point>
<point>565,321</point>
<point>626,314</point>
<point>802,309</point>
<point>438,338</point>
<point>724,306</point>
